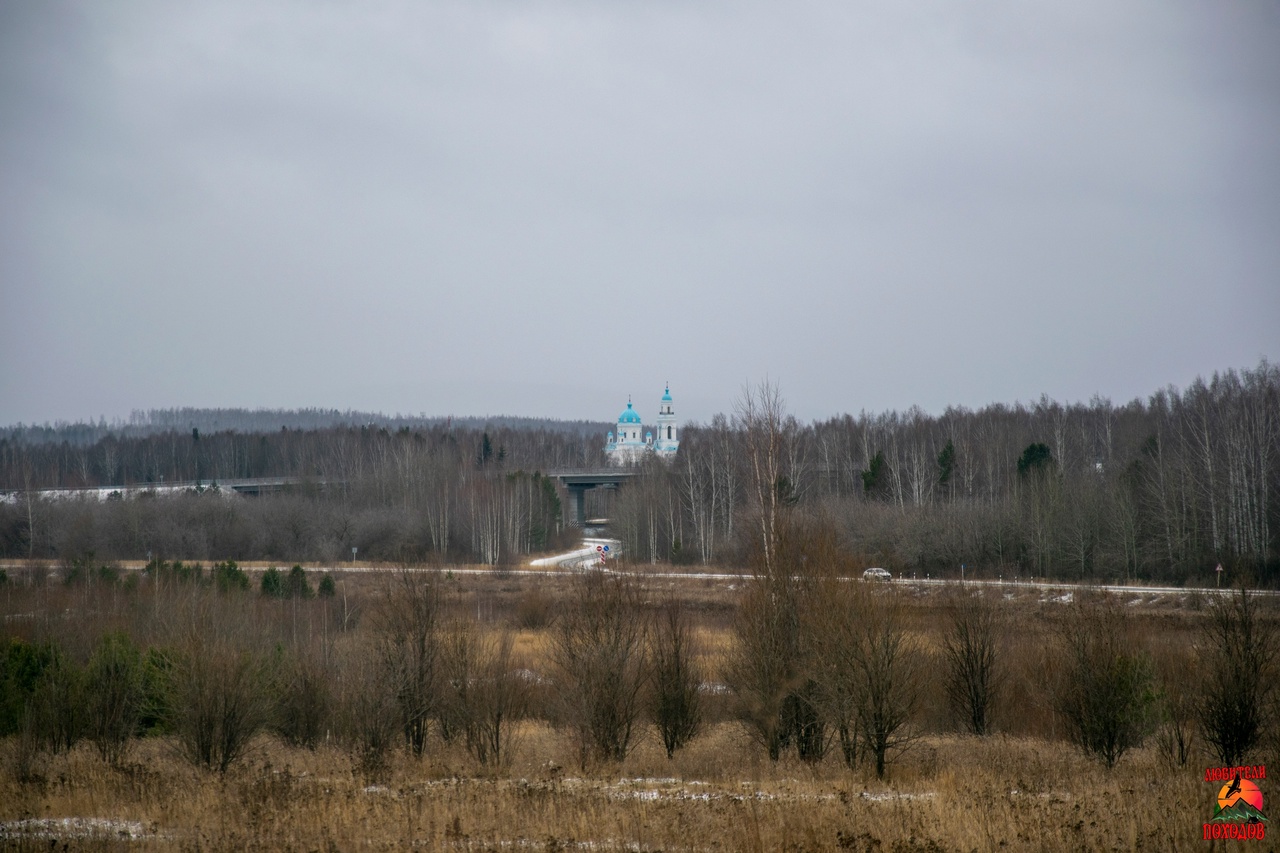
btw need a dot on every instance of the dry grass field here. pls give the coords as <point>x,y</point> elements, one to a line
<point>950,793</point>
<point>1023,788</point>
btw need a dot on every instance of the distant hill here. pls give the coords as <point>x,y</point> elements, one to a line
<point>156,421</point>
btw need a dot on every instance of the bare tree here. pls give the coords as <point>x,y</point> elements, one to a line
<point>867,670</point>
<point>697,484</point>
<point>598,646</point>
<point>1179,680</point>
<point>676,705</point>
<point>971,649</point>
<point>771,665</point>
<point>887,680</point>
<point>485,695</point>
<point>30,498</point>
<point>305,700</point>
<point>500,700</point>
<point>367,713</point>
<point>834,661</point>
<point>1240,646</point>
<point>761,415</point>
<point>764,664</point>
<point>218,685</point>
<point>407,629</point>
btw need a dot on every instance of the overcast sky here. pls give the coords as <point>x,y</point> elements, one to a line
<point>541,208</point>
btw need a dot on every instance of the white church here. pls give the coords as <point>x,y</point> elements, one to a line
<point>628,448</point>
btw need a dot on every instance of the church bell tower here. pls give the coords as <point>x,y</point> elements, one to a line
<point>666,440</point>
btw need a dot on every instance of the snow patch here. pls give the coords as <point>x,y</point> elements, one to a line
<point>63,828</point>
<point>894,796</point>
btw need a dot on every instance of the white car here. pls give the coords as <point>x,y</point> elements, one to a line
<point>876,575</point>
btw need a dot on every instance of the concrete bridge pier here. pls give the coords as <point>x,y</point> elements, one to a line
<point>577,514</point>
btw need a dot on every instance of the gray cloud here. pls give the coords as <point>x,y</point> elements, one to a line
<point>541,208</point>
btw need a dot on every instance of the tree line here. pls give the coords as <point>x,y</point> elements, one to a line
<point>183,420</point>
<point>404,496</point>
<point>1165,489</point>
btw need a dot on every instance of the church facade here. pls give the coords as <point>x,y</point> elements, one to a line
<point>627,447</point>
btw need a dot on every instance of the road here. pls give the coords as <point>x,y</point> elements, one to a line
<point>588,556</point>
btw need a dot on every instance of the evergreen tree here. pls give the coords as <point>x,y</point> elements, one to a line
<point>297,586</point>
<point>273,583</point>
<point>875,479</point>
<point>946,463</point>
<point>1037,457</point>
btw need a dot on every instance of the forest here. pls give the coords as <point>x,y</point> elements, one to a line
<point>1163,490</point>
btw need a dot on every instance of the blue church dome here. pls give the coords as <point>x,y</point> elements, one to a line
<point>629,416</point>
<point>666,396</point>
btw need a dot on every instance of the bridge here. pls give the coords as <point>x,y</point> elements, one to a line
<point>252,486</point>
<point>577,481</point>
<point>263,485</point>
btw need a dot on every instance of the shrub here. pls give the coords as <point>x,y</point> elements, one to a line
<point>970,649</point>
<point>367,713</point>
<point>484,694</point>
<point>867,669</point>
<point>304,704</point>
<point>273,583</point>
<point>675,704</point>
<point>1107,693</point>
<point>219,704</point>
<point>409,650</point>
<point>22,666</point>
<point>534,610</point>
<point>82,569</point>
<point>1179,694</point>
<point>175,572</point>
<point>228,577</point>
<point>217,684</point>
<point>1241,646</point>
<point>598,647</point>
<point>765,664</point>
<point>57,703</point>
<point>114,695</point>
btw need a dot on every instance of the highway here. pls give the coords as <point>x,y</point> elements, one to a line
<point>588,557</point>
